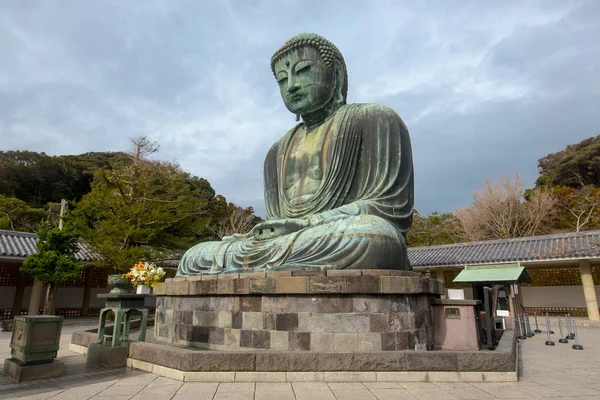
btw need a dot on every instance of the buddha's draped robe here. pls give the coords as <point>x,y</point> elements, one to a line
<point>359,214</point>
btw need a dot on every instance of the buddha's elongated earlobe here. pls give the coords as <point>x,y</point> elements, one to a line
<point>297,117</point>
<point>339,87</point>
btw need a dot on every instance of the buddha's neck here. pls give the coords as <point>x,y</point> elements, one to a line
<point>316,118</point>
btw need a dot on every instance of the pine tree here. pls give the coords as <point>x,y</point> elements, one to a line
<point>54,261</point>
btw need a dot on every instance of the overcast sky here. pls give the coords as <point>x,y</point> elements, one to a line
<point>486,88</point>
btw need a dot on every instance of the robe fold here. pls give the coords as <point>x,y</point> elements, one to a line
<point>359,215</point>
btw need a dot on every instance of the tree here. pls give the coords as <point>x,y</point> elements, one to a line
<point>54,261</point>
<point>143,209</point>
<point>237,220</point>
<point>579,207</point>
<point>499,210</point>
<point>434,229</point>
<point>16,215</point>
<point>37,178</point>
<point>576,166</point>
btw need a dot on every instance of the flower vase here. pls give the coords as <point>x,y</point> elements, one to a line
<point>143,289</point>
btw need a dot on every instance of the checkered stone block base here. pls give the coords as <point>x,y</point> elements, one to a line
<point>320,313</point>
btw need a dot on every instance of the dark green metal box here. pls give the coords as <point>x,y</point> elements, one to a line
<point>36,338</point>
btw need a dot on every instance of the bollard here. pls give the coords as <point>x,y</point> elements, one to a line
<point>528,327</point>
<point>562,339</point>
<point>537,328</point>
<point>568,325</point>
<point>550,331</point>
<point>549,342</point>
<point>521,335</point>
<point>576,346</point>
<point>570,322</point>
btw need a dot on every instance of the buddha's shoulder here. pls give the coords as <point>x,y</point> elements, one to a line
<point>370,110</point>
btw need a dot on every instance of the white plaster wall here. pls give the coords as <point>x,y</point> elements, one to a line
<point>7,296</point>
<point>27,297</point>
<point>94,300</point>
<point>67,297</point>
<point>555,296</point>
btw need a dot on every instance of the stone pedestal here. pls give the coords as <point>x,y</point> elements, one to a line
<point>315,311</point>
<point>107,356</point>
<point>456,324</point>
<point>21,372</point>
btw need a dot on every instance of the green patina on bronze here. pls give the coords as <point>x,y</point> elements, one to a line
<point>123,305</point>
<point>36,339</point>
<point>338,186</point>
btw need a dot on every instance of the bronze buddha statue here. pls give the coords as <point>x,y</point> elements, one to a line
<point>339,186</point>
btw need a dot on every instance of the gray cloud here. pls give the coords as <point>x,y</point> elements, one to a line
<point>485,88</point>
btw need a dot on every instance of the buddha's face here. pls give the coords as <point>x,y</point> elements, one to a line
<point>305,81</point>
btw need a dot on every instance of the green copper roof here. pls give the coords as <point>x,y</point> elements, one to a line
<point>493,273</point>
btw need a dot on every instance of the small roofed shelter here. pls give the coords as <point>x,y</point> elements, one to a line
<point>493,274</point>
<point>564,269</point>
<point>503,279</point>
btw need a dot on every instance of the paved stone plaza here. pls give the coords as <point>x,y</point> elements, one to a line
<point>546,373</point>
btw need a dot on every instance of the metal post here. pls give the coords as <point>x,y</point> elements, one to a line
<point>528,327</point>
<point>571,322</point>
<point>550,331</point>
<point>562,338</point>
<point>521,335</point>
<point>576,346</point>
<point>549,342</point>
<point>537,328</point>
<point>568,324</point>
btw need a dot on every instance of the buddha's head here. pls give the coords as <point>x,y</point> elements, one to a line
<point>311,74</point>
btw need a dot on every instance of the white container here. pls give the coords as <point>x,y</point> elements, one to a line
<point>143,289</point>
<point>456,294</point>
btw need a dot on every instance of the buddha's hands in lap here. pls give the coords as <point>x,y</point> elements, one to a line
<point>271,229</point>
<point>277,227</point>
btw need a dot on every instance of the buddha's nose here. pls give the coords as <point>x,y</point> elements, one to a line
<point>292,85</point>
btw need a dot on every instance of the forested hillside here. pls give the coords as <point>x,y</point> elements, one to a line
<point>33,184</point>
<point>39,179</point>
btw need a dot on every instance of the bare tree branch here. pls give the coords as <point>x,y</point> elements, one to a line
<point>500,211</point>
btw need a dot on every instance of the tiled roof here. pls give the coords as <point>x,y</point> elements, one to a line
<point>548,247</point>
<point>22,244</point>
